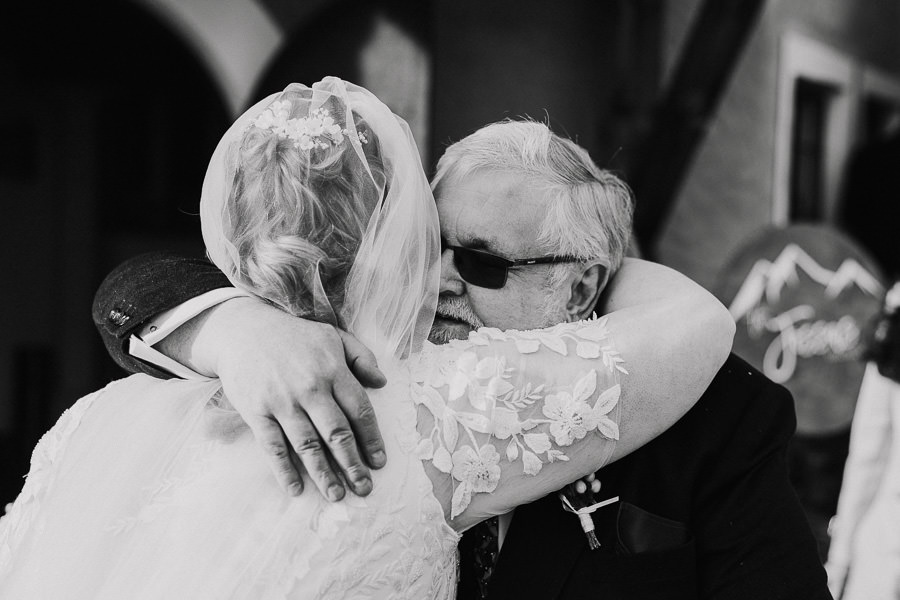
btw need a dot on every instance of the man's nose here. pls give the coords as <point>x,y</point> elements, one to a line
<point>451,283</point>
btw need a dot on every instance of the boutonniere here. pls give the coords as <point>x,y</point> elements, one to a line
<point>579,498</point>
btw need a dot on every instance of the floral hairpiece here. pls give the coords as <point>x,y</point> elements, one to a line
<point>318,130</point>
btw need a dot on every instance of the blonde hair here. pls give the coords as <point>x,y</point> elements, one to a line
<point>297,215</point>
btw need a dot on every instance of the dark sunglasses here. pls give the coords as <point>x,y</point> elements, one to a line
<point>487,270</point>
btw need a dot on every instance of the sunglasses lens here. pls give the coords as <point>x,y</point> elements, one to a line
<point>480,268</point>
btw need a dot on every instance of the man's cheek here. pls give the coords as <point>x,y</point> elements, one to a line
<point>489,306</point>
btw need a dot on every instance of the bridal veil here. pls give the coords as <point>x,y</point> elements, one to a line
<point>388,298</point>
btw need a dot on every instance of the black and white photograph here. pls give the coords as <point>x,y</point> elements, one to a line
<point>450,300</point>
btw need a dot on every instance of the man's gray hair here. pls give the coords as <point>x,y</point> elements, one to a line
<point>589,209</point>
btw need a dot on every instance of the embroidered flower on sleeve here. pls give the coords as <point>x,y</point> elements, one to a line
<point>571,418</point>
<point>477,471</point>
<point>505,423</point>
<point>479,468</point>
<point>483,393</point>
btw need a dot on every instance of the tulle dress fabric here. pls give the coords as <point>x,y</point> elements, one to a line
<point>146,491</point>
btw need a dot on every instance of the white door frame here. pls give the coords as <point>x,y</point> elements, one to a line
<point>801,57</point>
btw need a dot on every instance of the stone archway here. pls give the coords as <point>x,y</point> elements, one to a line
<point>107,122</point>
<point>234,38</point>
<point>237,39</point>
<point>383,45</point>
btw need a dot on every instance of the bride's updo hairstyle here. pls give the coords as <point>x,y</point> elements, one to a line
<point>298,209</point>
<point>315,200</point>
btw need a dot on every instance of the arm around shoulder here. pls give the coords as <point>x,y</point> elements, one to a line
<point>510,416</point>
<point>674,335</point>
<point>142,287</point>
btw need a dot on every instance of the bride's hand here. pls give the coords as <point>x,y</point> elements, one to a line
<point>297,384</point>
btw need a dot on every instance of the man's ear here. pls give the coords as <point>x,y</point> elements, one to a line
<point>589,282</point>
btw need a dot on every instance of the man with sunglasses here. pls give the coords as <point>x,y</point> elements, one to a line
<point>706,509</point>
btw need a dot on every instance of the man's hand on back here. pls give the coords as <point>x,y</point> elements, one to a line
<point>299,386</point>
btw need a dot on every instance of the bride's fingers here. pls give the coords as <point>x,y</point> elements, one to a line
<point>306,442</point>
<point>279,453</point>
<point>354,402</point>
<point>337,434</point>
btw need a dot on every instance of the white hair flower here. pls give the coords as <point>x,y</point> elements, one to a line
<point>317,130</point>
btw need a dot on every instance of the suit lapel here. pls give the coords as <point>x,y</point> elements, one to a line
<point>538,553</point>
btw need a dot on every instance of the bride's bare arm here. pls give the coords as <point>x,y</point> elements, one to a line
<point>507,417</point>
<point>675,336</point>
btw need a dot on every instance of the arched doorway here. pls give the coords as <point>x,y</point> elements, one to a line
<point>107,122</point>
<point>385,46</point>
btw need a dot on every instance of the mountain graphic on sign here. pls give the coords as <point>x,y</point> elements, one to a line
<point>768,278</point>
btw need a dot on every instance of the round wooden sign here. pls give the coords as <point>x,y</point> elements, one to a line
<point>802,296</point>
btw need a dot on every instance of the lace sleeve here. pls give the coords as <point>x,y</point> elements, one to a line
<point>507,417</point>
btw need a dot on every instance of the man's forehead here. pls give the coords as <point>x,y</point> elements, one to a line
<point>480,188</point>
<point>489,211</point>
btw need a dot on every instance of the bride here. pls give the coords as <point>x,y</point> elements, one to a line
<point>315,200</point>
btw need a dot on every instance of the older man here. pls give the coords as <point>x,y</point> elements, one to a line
<point>706,509</point>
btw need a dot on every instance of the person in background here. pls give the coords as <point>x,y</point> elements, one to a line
<point>864,555</point>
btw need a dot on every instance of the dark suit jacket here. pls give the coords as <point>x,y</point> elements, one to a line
<point>706,510</point>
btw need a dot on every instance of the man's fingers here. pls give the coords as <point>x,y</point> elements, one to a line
<point>361,361</point>
<point>338,436</point>
<point>311,450</point>
<point>270,436</point>
<point>354,401</point>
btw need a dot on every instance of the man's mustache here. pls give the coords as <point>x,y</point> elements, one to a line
<point>454,307</point>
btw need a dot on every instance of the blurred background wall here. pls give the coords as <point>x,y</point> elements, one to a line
<point>739,180</point>
<point>726,116</point>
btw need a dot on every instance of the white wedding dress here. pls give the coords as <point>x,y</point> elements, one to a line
<point>156,489</point>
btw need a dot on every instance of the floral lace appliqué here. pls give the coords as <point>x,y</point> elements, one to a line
<point>479,402</point>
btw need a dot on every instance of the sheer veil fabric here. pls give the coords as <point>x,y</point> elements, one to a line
<point>390,295</point>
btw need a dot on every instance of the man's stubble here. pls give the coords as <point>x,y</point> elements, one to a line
<point>456,308</point>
